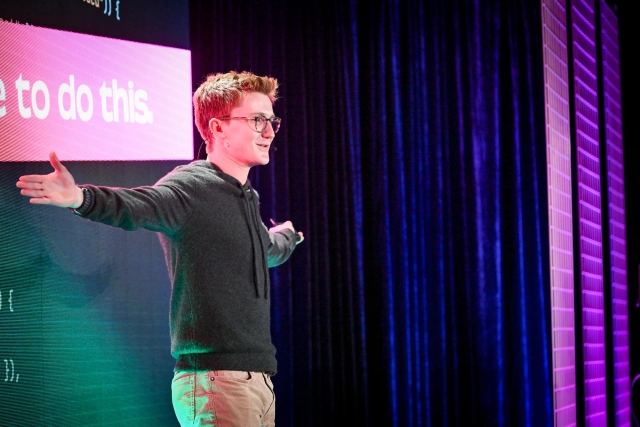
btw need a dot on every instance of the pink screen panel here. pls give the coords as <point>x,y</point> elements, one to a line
<point>92,98</point>
<point>557,117</point>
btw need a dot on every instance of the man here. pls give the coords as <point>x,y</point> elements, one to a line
<point>216,247</point>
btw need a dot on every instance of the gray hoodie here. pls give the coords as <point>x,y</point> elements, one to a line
<point>217,251</point>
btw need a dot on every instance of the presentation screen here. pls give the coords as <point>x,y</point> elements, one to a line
<point>92,98</point>
<point>84,308</point>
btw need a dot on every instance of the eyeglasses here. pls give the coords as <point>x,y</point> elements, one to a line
<point>259,122</point>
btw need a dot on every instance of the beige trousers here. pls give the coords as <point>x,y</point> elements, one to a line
<point>223,399</point>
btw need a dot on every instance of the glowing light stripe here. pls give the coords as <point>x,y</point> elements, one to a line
<point>617,221</point>
<point>556,79</point>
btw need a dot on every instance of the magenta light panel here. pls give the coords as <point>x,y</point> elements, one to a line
<point>557,116</point>
<point>617,228</point>
<point>585,81</point>
<point>91,98</point>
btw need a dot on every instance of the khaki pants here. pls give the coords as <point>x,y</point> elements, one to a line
<point>223,399</point>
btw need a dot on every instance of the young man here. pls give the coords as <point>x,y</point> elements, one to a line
<point>217,250</point>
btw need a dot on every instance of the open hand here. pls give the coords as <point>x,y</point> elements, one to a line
<point>56,189</point>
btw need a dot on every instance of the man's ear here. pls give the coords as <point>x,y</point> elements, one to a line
<point>215,127</point>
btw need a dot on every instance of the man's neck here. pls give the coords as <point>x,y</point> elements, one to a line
<point>228,166</point>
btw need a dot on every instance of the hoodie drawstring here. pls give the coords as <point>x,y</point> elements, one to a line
<point>256,246</point>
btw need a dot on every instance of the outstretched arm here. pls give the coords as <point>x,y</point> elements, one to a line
<point>56,189</point>
<point>163,207</point>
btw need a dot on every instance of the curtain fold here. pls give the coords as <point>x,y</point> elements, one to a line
<point>412,157</point>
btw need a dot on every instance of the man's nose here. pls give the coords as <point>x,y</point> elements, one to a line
<point>268,131</point>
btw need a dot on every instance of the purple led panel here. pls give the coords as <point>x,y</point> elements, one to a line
<point>617,229</point>
<point>585,81</point>
<point>557,116</point>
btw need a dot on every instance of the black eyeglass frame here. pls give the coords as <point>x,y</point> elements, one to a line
<point>259,119</point>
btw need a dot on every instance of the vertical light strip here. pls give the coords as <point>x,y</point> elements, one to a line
<point>557,116</point>
<point>617,228</point>
<point>585,81</point>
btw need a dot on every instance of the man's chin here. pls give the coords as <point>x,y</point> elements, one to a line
<point>261,162</point>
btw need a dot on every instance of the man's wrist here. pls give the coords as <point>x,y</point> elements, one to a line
<point>80,194</point>
<point>85,204</point>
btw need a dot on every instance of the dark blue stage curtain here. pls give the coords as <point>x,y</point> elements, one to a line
<point>412,155</point>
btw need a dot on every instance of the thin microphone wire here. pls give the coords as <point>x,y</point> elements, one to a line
<point>199,150</point>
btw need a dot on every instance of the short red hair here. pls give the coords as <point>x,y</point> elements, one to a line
<point>221,93</point>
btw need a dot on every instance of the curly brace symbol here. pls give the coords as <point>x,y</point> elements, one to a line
<point>10,299</point>
<point>108,5</point>
<point>13,371</point>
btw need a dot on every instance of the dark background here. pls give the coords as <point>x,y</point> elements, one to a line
<point>411,155</point>
<point>629,34</point>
